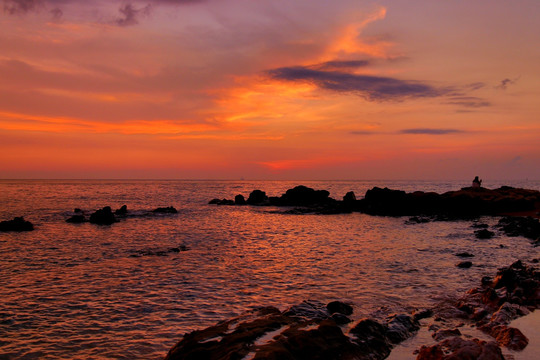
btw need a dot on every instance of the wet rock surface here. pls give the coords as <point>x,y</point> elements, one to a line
<point>514,292</point>
<point>305,331</point>
<point>18,224</point>
<point>521,226</point>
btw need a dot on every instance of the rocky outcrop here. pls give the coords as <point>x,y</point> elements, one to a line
<point>103,216</point>
<point>17,224</point>
<point>423,206</point>
<point>257,197</point>
<point>462,203</point>
<point>521,226</point>
<point>514,292</point>
<point>305,331</point>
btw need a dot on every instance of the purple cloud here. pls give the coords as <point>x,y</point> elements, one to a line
<point>131,15</point>
<point>429,131</point>
<point>371,87</point>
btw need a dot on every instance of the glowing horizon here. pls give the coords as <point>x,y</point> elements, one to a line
<point>206,89</point>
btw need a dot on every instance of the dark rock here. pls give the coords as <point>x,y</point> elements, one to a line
<point>77,210</point>
<point>340,319</point>
<point>76,219</point>
<point>423,314</point>
<point>464,264</point>
<point>122,211</point>
<point>339,307</point>
<point>349,197</point>
<point>479,226</point>
<point>214,201</point>
<point>509,337</point>
<point>464,254</point>
<point>103,216</point>
<point>17,224</point>
<point>239,200</point>
<point>307,310</point>
<point>371,336</point>
<point>257,197</point>
<point>520,226</point>
<point>266,333</point>
<point>418,220</point>
<point>401,327</point>
<point>165,210</point>
<point>484,234</point>
<point>304,196</point>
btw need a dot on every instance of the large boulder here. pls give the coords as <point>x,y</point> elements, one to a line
<point>17,224</point>
<point>103,216</point>
<point>257,197</point>
<point>304,196</point>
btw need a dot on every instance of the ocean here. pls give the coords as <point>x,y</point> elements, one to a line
<point>85,291</point>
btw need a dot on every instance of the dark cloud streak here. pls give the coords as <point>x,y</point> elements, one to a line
<point>375,88</point>
<point>429,131</point>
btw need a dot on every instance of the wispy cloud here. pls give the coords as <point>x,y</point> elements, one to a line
<point>430,131</point>
<point>371,87</point>
<point>469,101</point>
<point>503,85</point>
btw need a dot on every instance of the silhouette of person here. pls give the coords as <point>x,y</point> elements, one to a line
<point>476,182</point>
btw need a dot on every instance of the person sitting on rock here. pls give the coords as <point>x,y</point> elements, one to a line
<point>476,182</point>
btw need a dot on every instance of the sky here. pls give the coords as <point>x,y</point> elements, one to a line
<point>270,89</point>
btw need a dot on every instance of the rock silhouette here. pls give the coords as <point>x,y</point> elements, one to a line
<point>422,206</point>
<point>103,216</point>
<point>17,224</point>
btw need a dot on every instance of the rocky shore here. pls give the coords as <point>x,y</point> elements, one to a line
<point>313,331</point>
<point>463,203</point>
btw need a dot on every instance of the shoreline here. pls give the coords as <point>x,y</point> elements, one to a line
<point>479,322</point>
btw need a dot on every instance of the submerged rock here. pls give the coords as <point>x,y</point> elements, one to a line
<point>17,224</point>
<point>77,219</point>
<point>165,210</point>
<point>484,234</point>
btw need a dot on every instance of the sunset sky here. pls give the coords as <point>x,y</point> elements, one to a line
<point>270,89</point>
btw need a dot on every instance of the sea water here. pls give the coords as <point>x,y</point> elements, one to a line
<point>84,291</point>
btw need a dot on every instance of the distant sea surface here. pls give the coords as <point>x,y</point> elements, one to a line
<point>83,291</point>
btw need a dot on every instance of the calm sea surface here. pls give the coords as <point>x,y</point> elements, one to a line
<point>77,291</point>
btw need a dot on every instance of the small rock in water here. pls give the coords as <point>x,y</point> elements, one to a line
<point>339,307</point>
<point>484,234</point>
<point>464,254</point>
<point>76,219</point>
<point>17,224</point>
<point>121,211</point>
<point>165,210</point>
<point>464,264</point>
